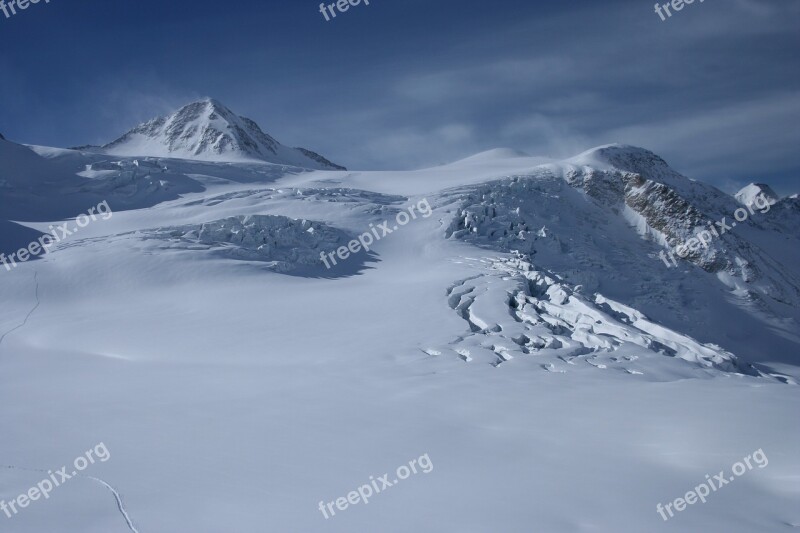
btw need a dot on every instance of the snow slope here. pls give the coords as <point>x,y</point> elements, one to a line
<point>526,336</point>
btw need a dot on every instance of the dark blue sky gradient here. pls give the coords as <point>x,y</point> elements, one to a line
<point>410,83</point>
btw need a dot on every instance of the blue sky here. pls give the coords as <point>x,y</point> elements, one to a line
<point>715,89</point>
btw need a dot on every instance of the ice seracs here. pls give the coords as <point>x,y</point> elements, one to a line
<point>281,242</point>
<point>514,310</point>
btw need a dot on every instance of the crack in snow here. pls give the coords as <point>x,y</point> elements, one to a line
<point>24,322</point>
<point>120,505</point>
<point>116,494</point>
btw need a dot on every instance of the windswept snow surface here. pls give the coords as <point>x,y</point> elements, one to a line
<point>526,336</point>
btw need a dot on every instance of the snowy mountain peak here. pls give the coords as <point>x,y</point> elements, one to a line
<point>207,130</point>
<point>622,157</point>
<point>749,193</point>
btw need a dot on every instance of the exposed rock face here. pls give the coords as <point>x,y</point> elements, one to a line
<point>539,213</point>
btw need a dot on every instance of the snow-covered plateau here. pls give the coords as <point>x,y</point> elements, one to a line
<point>527,337</point>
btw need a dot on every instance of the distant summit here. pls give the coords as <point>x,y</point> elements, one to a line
<point>206,130</point>
<point>749,193</point>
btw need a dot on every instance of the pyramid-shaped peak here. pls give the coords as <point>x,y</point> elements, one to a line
<point>207,109</point>
<point>207,130</point>
<point>207,104</point>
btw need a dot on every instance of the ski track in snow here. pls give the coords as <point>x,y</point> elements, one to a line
<point>120,505</point>
<point>116,494</point>
<point>24,322</point>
